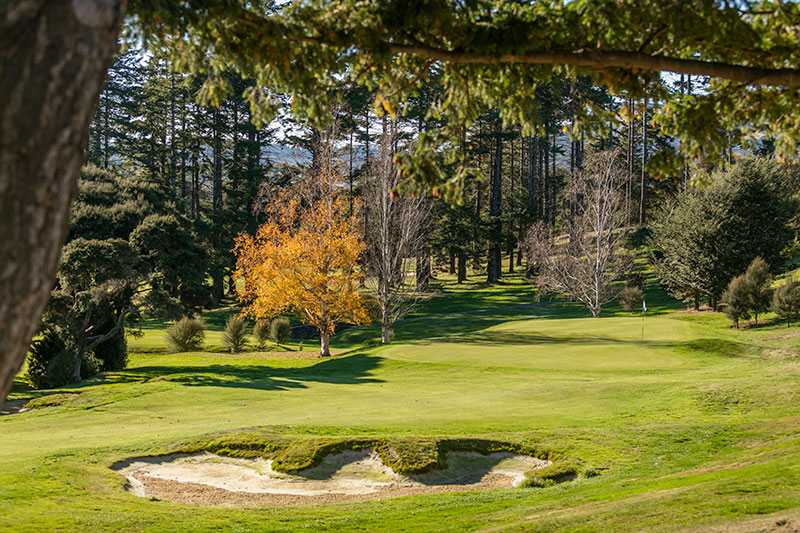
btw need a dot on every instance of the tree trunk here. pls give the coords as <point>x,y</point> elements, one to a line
<point>643,199</point>
<point>53,60</point>
<point>385,330</point>
<point>424,267</point>
<point>494,260</point>
<point>324,344</point>
<point>462,266</point>
<point>77,359</point>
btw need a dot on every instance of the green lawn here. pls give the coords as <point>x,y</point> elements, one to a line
<point>694,426</point>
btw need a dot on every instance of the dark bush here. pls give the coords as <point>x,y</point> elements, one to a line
<point>51,365</point>
<point>639,236</point>
<point>280,329</point>
<point>112,353</point>
<point>186,335</point>
<point>60,371</point>
<point>235,335</point>
<point>42,352</point>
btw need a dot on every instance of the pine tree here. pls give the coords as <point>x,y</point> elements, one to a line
<point>759,291</point>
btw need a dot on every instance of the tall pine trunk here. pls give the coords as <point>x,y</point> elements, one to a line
<point>643,198</point>
<point>462,266</point>
<point>53,60</point>
<point>494,265</point>
<point>217,273</point>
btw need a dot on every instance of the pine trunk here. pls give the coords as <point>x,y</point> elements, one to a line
<point>643,199</point>
<point>462,266</point>
<point>53,61</point>
<point>494,259</point>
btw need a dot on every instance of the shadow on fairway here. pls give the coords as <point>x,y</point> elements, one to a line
<point>499,338</point>
<point>350,370</point>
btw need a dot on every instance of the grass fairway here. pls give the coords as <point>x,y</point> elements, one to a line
<point>694,427</point>
<point>616,343</point>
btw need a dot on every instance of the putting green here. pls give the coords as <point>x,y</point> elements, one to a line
<point>571,344</point>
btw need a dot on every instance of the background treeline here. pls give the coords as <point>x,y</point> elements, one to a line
<point>171,183</point>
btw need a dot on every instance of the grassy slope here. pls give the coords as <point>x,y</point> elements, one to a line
<point>694,426</point>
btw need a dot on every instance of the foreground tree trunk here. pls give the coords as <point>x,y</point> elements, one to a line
<point>53,60</point>
<point>324,344</point>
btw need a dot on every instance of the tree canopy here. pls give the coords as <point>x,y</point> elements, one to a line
<point>496,52</point>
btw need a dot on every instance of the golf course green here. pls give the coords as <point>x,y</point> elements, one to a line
<point>692,426</point>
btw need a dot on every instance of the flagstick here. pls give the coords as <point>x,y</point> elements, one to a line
<point>644,308</point>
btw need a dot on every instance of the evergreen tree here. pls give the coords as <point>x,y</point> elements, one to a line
<point>786,300</point>
<point>737,300</point>
<point>759,291</point>
<point>709,235</point>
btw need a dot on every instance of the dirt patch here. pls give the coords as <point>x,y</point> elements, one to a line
<point>704,310</point>
<point>15,407</point>
<point>779,353</point>
<point>285,355</point>
<point>208,479</point>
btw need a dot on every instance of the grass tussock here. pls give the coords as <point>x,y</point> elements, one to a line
<point>52,400</point>
<point>558,472</point>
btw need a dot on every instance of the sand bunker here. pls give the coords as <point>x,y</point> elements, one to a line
<point>207,479</point>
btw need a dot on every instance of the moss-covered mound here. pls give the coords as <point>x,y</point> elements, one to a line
<point>405,455</point>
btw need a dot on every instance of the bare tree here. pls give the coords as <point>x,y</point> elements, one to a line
<point>394,236</point>
<point>587,264</point>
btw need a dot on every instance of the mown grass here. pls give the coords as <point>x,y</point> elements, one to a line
<point>695,426</point>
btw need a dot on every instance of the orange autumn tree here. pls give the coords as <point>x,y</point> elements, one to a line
<point>303,261</point>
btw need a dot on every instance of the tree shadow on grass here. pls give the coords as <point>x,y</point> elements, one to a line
<point>518,338</point>
<point>350,370</point>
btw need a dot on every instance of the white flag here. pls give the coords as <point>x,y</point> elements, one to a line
<point>644,306</point>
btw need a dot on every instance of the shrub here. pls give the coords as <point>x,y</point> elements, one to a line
<point>60,371</point>
<point>280,329</point>
<point>261,331</point>
<point>186,335</point>
<point>112,354</point>
<point>235,335</point>
<point>631,298</point>
<point>42,352</point>
<point>737,301</point>
<point>90,365</point>
<point>51,365</point>
<point>786,300</point>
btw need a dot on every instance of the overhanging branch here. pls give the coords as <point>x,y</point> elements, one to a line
<point>614,59</point>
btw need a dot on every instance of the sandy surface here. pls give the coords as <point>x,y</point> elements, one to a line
<point>283,355</point>
<point>207,479</point>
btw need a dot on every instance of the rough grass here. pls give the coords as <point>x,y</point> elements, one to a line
<point>51,400</point>
<point>711,442</point>
<point>558,472</point>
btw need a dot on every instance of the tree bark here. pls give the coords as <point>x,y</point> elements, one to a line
<point>462,266</point>
<point>494,260</point>
<point>324,344</point>
<point>53,60</point>
<point>643,198</point>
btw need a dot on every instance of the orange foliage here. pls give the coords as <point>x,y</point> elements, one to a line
<point>303,261</point>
